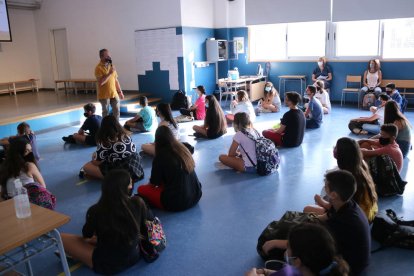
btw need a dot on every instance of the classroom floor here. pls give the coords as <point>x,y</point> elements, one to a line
<point>219,235</point>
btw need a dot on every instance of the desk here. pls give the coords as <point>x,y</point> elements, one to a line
<point>68,82</point>
<point>254,86</point>
<point>15,86</point>
<point>20,233</point>
<point>284,78</point>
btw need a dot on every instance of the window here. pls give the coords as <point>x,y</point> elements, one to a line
<point>306,39</point>
<point>267,42</point>
<point>398,41</point>
<point>357,38</point>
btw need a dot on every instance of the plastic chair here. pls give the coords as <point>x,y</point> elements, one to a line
<point>353,85</point>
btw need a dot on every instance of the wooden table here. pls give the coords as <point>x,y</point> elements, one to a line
<point>254,86</point>
<point>15,86</point>
<point>72,84</point>
<point>284,78</point>
<point>15,233</point>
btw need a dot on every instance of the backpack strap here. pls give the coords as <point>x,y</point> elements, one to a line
<point>251,161</point>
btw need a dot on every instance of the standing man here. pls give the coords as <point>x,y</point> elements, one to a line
<point>109,90</point>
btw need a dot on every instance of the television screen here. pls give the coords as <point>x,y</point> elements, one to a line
<point>5,34</point>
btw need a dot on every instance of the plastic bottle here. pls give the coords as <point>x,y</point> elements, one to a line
<point>21,200</point>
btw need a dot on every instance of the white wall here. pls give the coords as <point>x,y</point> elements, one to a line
<point>92,25</point>
<point>229,14</point>
<point>19,60</point>
<point>197,13</point>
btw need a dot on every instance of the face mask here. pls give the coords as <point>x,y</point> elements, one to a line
<point>384,141</point>
<point>389,92</point>
<point>206,105</point>
<point>268,88</point>
<point>288,259</point>
<point>320,63</point>
<point>29,157</point>
<point>372,66</point>
<point>86,115</point>
<point>108,60</point>
<point>335,153</point>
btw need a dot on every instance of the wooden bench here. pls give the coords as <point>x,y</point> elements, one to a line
<point>16,86</point>
<point>401,85</point>
<point>73,84</point>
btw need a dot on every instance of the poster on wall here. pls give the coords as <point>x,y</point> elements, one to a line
<point>240,44</point>
<point>5,34</point>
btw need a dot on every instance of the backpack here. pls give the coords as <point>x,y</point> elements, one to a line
<point>386,177</point>
<point>155,242</point>
<point>267,155</point>
<point>368,100</point>
<point>390,230</point>
<point>179,100</point>
<point>39,195</point>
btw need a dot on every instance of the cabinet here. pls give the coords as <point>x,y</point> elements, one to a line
<point>218,50</point>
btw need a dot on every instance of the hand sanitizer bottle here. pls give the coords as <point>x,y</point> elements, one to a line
<point>21,200</point>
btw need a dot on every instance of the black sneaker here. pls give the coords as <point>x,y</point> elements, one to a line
<point>81,173</point>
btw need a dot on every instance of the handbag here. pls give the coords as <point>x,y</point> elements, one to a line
<point>154,242</point>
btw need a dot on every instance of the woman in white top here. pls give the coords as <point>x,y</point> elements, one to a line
<point>271,101</point>
<point>323,96</point>
<point>20,163</point>
<point>372,78</point>
<point>164,112</point>
<point>241,104</point>
<point>242,152</point>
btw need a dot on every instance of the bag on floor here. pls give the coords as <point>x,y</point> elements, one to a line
<point>386,177</point>
<point>279,230</point>
<point>368,100</point>
<point>390,230</point>
<point>179,100</point>
<point>155,241</point>
<point>183,119</point>
<point>39,195</point>
<point>267,155</point>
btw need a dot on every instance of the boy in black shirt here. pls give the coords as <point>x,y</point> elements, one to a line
<point>91,124</point>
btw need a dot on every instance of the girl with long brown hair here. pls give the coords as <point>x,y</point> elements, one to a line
<point>215,123</point>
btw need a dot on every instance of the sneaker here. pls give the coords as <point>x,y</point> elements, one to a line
<point>82,173</point>
<point>69,258</point>
<point>198,135</point>
<point>69,139</point>
<point>274,265</point>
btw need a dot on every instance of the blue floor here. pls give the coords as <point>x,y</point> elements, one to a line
<point>219,235</point>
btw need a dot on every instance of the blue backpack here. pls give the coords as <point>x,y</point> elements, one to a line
<point>267,155</point>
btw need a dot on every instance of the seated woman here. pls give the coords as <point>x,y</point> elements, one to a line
<point>349,157</point>
<point>115,151</point>
<point>23,130</point>
<point>311,250</point>
<point>241,104</point>
<point>174,185</point>
<point>20,163</point>
<point>164,112</point>
<point>292,125</point>
<point>214,123</point>
<point>114,225</point>
<point>372,79</point>
<point>322,72</point>
<point>323,96</point>
<point>242,152</point>
<point>271,100</point>
<point>197,110</point>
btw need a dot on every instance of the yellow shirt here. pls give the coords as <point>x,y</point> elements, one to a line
<point>108,90</point>
<point>369,209</point>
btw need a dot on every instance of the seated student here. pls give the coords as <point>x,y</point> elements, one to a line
<point>345,220</point>
<point>323,72</point>
<point>23,130</point>
<point>311,250</point>
<point>198,109</point>
<point>292,125</point>
<point>314,111</point>
<point>214,123</point>
<point>174,185</point>
<point>19,163</point>
<point>271,100</point>
<point>349,157</point>
<point>393,93</point>
<point>323,96</point>
<point>91,124</point>
<point>242,151</point>
<point>115,150</point>
<point>164,112</point>
<point>372,78</point>
<point>241,104</point>
<point>372,124</point>
<point>385,144</point>
<point>114,226</point>
<point>142,122</point>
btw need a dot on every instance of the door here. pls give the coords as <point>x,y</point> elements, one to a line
<point>61,54</point>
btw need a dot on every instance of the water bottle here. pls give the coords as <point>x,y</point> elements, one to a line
<point>21,200</point>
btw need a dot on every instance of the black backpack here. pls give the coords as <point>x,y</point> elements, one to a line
<point>179,100</point>
<point>386,177</point>
<point>390,230</point>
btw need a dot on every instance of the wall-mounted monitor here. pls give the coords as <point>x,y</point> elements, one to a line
<point>5,33</point>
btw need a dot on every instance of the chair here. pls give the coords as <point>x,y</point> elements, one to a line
<point>353,85</point>
<point>226,90</point>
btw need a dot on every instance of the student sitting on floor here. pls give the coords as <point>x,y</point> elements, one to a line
<point>292,125</point>
<point>214,123</point>
<point>372,124</point>
<point>114,226</point>
<point>385,144</point>
<point>345,220</point>
<point>164,112</point>
<point>197,110</point>
<point>311,250</point>
<point>115,150</point>
<point>393,93</point>
<point>142,122</point>
<point>242,151</point>
<point>174,185</point>
<point>323,96</point>
<point>23,130</point>
<point>271,100</point>
<point>19,163</point>
<point>349,158</point>
<point>241,104</point>
<point>314,110</point>
<point>91,124</point>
